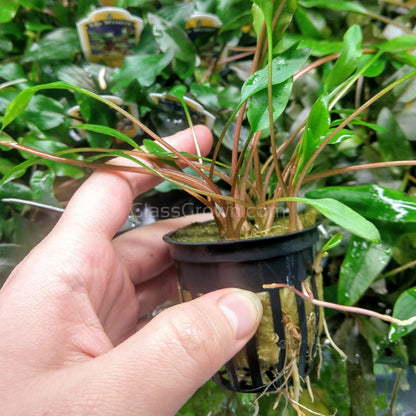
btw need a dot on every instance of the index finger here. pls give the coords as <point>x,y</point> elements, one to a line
<point>102,204</point>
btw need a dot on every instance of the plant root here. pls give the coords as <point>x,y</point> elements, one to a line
<point>352,309</point>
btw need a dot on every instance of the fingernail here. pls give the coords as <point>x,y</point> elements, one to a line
<point>243,310</point>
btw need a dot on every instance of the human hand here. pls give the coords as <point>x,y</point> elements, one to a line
<point>69,313</point>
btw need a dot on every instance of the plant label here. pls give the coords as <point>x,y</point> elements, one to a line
<point>108,34</point>
<point>123,124</point>
<point>202,25</point>
<point>173,111</point>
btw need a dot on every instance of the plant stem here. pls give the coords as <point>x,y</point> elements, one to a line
<point>345,122</point>
<point>398,270</point>
<point>375,165</point>
<point>344,308</point>
<point>394,392</point>
<point>399,3</point>
<point>269,28</point>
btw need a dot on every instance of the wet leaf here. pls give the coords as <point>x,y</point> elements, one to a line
<point>283,67</point>
<point>258,110</point>
<point>361,266</point>
<point>385,351</point>
<point>404,308</point>
<point>385,206</point>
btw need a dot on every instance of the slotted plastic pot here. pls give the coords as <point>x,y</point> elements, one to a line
<point>249,264</point>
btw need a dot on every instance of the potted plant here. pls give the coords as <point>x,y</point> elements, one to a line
<point>256,195</point>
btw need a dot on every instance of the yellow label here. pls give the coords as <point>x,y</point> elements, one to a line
<point>108,34</point>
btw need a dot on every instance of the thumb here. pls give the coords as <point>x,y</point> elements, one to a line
<point>158,369</point>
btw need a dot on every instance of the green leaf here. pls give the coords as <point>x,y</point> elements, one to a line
<point>266,6</point>
<point>44,112</point>
<point>48,145</point>
<point>342,215</point>
<point>41,184</point>
<point>348,61</point>
<point>15,190</point>
<point>306,25</point>
<point>361,266</point>
<point>155,149</point>
<point>358,122</point>
<point>317,47</point>
<point>258,110</point>
<point>334,241</point>
<point>76,75</point>
<point>5,138</point>
<point>376,203</point>
<point>179,92</point>
<point>283,67</point>
<point>285,18</point>
<point>5,165</point>
<point>398,44</point>
<point>316,130</point>
<point>11,71</point>
<point>61,44</point>
<point>18,170</point>
<point>207,94</point>
<point>33,4</point>
<point>376,68</point>
<point>404,308</point>
<point>143,68</point>
<point>336,5</point>
<point>18,105</point>
<point>38,27</point>
<point>171,37</point>
<point>8,10</point>
<point>340,136</point>
<point>385,351</point>
<point>392,141</point>
<point>108,131</point>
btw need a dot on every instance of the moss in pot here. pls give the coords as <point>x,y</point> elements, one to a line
<point>255,185</point>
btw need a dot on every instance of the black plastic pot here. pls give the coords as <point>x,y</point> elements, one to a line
<point>249,264</point>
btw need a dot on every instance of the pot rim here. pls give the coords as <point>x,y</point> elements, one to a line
<point>168,237</point>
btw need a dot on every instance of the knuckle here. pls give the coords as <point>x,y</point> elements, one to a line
<point>193,337</point>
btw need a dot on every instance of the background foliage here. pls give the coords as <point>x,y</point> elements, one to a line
<point>39,44</point>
